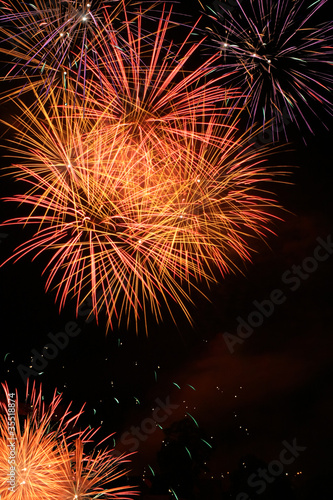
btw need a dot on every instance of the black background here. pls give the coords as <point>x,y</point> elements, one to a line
<point>278,382</point>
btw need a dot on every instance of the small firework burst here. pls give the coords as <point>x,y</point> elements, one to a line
<point>42,457</point>
<point>48,40</point>
<point>278,57</point>
<point>32,456</point>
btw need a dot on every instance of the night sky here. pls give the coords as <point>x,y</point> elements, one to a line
<point>274,387</point>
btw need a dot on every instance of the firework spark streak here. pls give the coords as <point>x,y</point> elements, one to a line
<point>86,476</point>
<point>50,461</point>
<point>280,60</point>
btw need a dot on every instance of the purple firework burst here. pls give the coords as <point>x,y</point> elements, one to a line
<point>281,56</point>
<point>48,40</point>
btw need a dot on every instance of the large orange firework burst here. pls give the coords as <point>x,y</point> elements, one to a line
<point>41,457</point>
<point>137,226</point>
<point>140,188</point>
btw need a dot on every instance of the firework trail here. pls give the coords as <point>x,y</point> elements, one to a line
<point>280,58</point>
<point>49,459</point>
